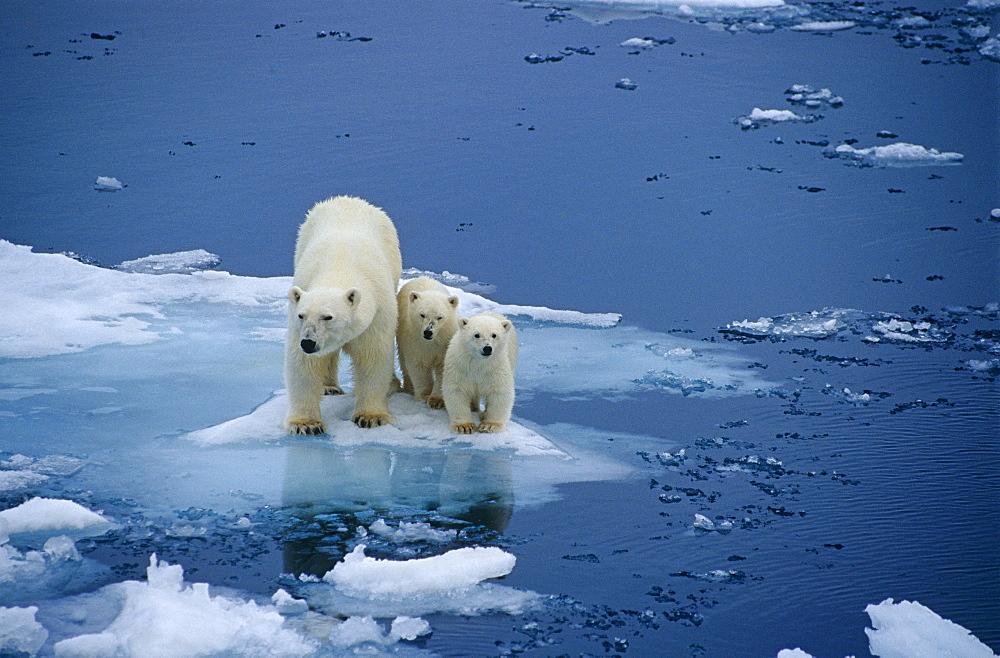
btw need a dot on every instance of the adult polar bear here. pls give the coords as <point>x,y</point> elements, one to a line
<point>343,296</point>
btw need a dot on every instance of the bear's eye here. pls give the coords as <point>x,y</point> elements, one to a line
<point>494,335</point>
<point>302,316</point>
<point>423,317</point>
<point>440,317</point>
<point>477,335</point>
<point>326,318</point>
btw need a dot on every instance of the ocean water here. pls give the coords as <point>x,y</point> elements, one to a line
<point>775,401</point>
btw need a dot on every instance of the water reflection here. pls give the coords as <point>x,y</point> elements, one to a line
<point>471,486</point>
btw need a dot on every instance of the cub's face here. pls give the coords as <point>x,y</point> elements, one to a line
<point>431,311</point>
<point>484,335</point>
<point>323,317</point>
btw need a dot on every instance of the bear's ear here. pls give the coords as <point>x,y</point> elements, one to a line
<point>506,325</point>
<point>295,294</point>
<point>414,296</point>
<point>453,300</point>
<point>353,296</point>
<point>464,321</point>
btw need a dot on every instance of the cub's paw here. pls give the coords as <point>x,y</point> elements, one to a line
<point>311,427</point>
<point>435,402</point>
<point>333,390</point>
<point>369,421</point>
<point>490,427</point>
<point>463,428</point>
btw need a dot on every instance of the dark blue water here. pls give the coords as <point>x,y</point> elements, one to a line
<point>564,191</point>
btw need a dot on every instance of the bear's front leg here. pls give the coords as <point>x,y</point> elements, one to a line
<point>304,381</point>
<point>436,399</point>
<point>373,379</point>
<point>331,381</point>
<point>458,400</point>
<point>499,404</point>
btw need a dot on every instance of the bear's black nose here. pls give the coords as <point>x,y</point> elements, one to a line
<point>487,350</point>
<point>308,346</point>
<point>428,334</point>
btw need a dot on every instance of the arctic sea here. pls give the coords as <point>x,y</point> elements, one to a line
<point>750,248</point>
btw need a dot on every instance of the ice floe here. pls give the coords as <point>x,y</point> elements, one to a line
<point>181,262</point>
<point>900,154</point>
<point>758,117</point>
<point>822,26</point>
<point>46,515</point>
<point>163,616</point>
<point>811,97</point>
<point>910,630</point>
<point>20,632</point>
<point>831,322</point>
<point>107,184</point>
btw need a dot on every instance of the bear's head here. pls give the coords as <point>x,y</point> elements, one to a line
<point>324,317</point>
<point>431,312</point>
<point>484,334</point>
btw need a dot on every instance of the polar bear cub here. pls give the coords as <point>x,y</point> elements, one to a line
<point>479,364</point>
<point>347,267</point>
<point>428,318</point>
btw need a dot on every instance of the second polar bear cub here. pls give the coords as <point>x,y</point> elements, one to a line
<point>479,365</point>
<point>428,317</point>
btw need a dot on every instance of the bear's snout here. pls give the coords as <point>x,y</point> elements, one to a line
<point>487,350</point>
<point>308,346</point>
<point>429,334</point>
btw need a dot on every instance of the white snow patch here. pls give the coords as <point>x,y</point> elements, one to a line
<point>910,630</point>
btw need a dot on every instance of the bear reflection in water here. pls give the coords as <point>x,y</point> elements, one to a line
<point>471,486</point>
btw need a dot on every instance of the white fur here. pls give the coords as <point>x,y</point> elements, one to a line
<point>471,376</point>
<point>347,266</point>
<point>425,309</point>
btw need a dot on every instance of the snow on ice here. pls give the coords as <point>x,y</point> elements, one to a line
<point>107,184</point>
<point>181,262</point>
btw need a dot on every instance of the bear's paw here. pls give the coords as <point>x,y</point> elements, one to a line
<point>435,402</point>
<point>369,421</point>
<point>311,427</point>
<point>463,428</point>
<point>490,427</point>
<point>333,390</point>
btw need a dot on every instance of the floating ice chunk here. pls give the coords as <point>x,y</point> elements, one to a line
<point>990,49</point>
<point>760,28</point>
<point>910,630</point>
<point>47,515</point>
<point>409,532</point>
<point>823,26</point>
<point>459,569</point>
<point>107,184</point>
<point>638,44</point>
<point>814,324</point>
<point>912,22</point>
<point>992,366</point>
<point>905,331</point>
<point>163,617</point>
<point>409,628</point>
<point>900,154</point>
<point>626,84</point>
<point>365,630</point>
<point>983,4</point>
<point>287,604</point>
<point>449,279</point>
<point>793,653</point>
<point>806,95</point>
<point>702,522</point>
<point>759,117</point>
<point>20,633</point>
<point>181,262</point>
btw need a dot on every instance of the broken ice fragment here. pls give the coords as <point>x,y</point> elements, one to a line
<point>626,84</point>
<point>899,154</point>
<point>107,184</point>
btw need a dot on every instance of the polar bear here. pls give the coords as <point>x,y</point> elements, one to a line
<point>428,318</point>
<point>480,364</point>
<point>347,267</point>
